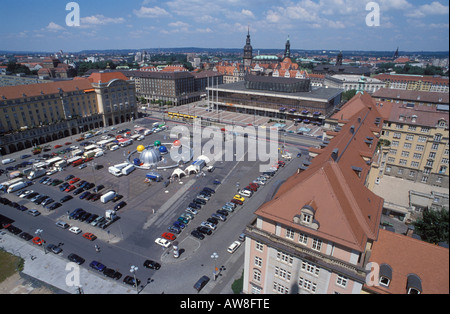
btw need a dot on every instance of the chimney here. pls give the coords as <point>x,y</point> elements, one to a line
<point>352,129</point>
<point>335,154</point>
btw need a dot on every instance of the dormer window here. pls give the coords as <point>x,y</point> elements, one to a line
<point>306,216</point>
<point>385,275</point>
<point>413,284</point>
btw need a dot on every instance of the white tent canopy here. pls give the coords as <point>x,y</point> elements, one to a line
<point>178,173</point>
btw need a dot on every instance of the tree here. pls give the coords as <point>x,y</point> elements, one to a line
<point>346,96</point>
<point>433,227</point>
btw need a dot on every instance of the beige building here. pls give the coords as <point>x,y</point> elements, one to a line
<point>115,97</point>
<point>416,137</point>
<point>39,113</point>
<point>315,235</point>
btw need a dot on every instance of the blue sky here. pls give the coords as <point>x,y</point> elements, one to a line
<point>33,25</point>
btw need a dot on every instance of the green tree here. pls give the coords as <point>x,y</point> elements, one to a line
<point>346,96</point>
<point>433,227</point>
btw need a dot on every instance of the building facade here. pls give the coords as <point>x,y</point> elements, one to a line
<point>116,97</point>
<point>416,135</point>
<point>351,82</point>
<point>39,113</point>
<point>316,234</point>
<point>415,82</point>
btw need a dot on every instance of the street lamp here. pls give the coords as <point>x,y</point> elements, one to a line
<point>133,270</point>
<point>215,256</point>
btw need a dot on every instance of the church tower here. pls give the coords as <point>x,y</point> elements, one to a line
<point>248,51</point>
<point>339,58</point>
<point>287,49</point>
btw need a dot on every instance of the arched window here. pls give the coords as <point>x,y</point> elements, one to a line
<point>413,284</point>
<point>385,275</point>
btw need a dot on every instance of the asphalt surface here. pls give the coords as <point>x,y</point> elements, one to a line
<point>150,210</point>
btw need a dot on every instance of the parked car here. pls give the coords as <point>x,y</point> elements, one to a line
<point>89,236</point>
<point>76,259</point>
<point>75,230</point>
<point>169,236</point>
<point>129,280</point>
<point>152,265</point>
<point>197,234</point>
<point>204,230</point>
<point>97,266</point>
<point>233,247</point>
<point>111,273</point>
<point>163,242</point>
<point>201,283</point>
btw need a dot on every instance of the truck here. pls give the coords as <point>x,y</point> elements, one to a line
<point>5,185</point>
<point>125,142</point>
<point>77,152</point>
<point>16,187</point>
<point>89,154</point>
<point>153,176</point>
<point>105,198</point>
<point>37,173</point>
<point>72,160</point>
<point>115,171</point>
<point>110,217</point>
<point>128,169</point>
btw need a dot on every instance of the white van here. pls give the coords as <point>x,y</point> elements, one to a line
<point>8,161</point>
<point>233,247</point>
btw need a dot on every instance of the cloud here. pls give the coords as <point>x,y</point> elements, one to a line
<point>101,20</point>
<point>53,27</point>
<point>434,8</point>
<point>145,12</point>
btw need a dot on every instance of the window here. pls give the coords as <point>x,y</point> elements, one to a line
<point>306,218</point>
<point>409,137</point>
<point>422,139</point>
<point>282,273</point>
<point>317,244</point>
<point>257,275</point>
<point>259,246</point>
<point>286,258</point>
<point>395,143</point>
<point>258,261</point>
<point>405,154</point>
<point>280,288</point>
<point>290,234</point>
<point>407,145</point>
<point>397,135</point>
<point>310,268</point>
<point>303,238</point>
<point>306,284</point>
<point>414,164</point>
<point>342,281</point>
<point>425,130</point>
<point>417,156</point>
<point>420,148</point>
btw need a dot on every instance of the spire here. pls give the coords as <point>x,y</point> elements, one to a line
<point>287,50</point>
<point>248,50</point>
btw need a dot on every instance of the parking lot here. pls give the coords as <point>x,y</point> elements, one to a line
<point>151,209</point>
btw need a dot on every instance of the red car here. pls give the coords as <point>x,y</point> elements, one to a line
<point>38,241</point>
<point>89,236</point>
<point>57,146</point>
<point>281,163</point>
<point>74,180</point>
<point>256,185</point>
<point>169,236</point>
<point>237,202</point>
<point>68,143</point>
<point>70,188</point>
<point>251,188</point>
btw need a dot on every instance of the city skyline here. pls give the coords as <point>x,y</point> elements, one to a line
<point>420,25</point>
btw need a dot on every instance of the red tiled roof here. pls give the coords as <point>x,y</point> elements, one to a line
<point>406,255</point>
<point>33,90</point>
<point>348,213</point>
<point>107,77</point>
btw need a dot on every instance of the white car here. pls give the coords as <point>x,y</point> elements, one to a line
<point>25,193</point>
<point>192,211</point>
<point>233,247</point>
<point>163,242</point>
<point>53,171</point>
<point>208,225</point>
<point>75,230</point>
<point>115,147</point>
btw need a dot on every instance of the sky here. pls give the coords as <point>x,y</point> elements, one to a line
<point>380,25</point>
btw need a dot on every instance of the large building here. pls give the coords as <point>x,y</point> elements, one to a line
<point>39,113</point>
<point>351,82</point>
<point>179,88</point>
<point>116,97</point>
<point>316,234</point>
<point>416,135</point>
<point>284,98</point>
<point>415,82</point>
<point>36,114</point>
<point>320,233</point>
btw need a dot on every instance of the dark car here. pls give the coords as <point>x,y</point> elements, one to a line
<point>213,220</point>
<point>78,191</point>
<point>84,195</point>
<point>76,259</point>
<point>96,197</point>
<point>197,234</point>
<point>55,249</point>
<point>120,205</point>
<point>53,206</point>
<point>98,188</point>
<point>97,266</point>
<point>64,186</point>
<point>91,218</point>
<point>69,177</point>
<point>152,264</point>
<point>222,212</point>
<point>199,201</point>
<point>201,283</point>
<point>195,206</point>
<point>204,230</point>
<point>129,280</point>
<point>26,236</point>
<point>66,198</point>
<point>209,190</point>
<point>111,273</point>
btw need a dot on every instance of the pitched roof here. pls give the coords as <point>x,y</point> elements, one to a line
<point>405,256</point>
<point>348,213</point>
<point>33,90</point>
<point>106,77</point>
